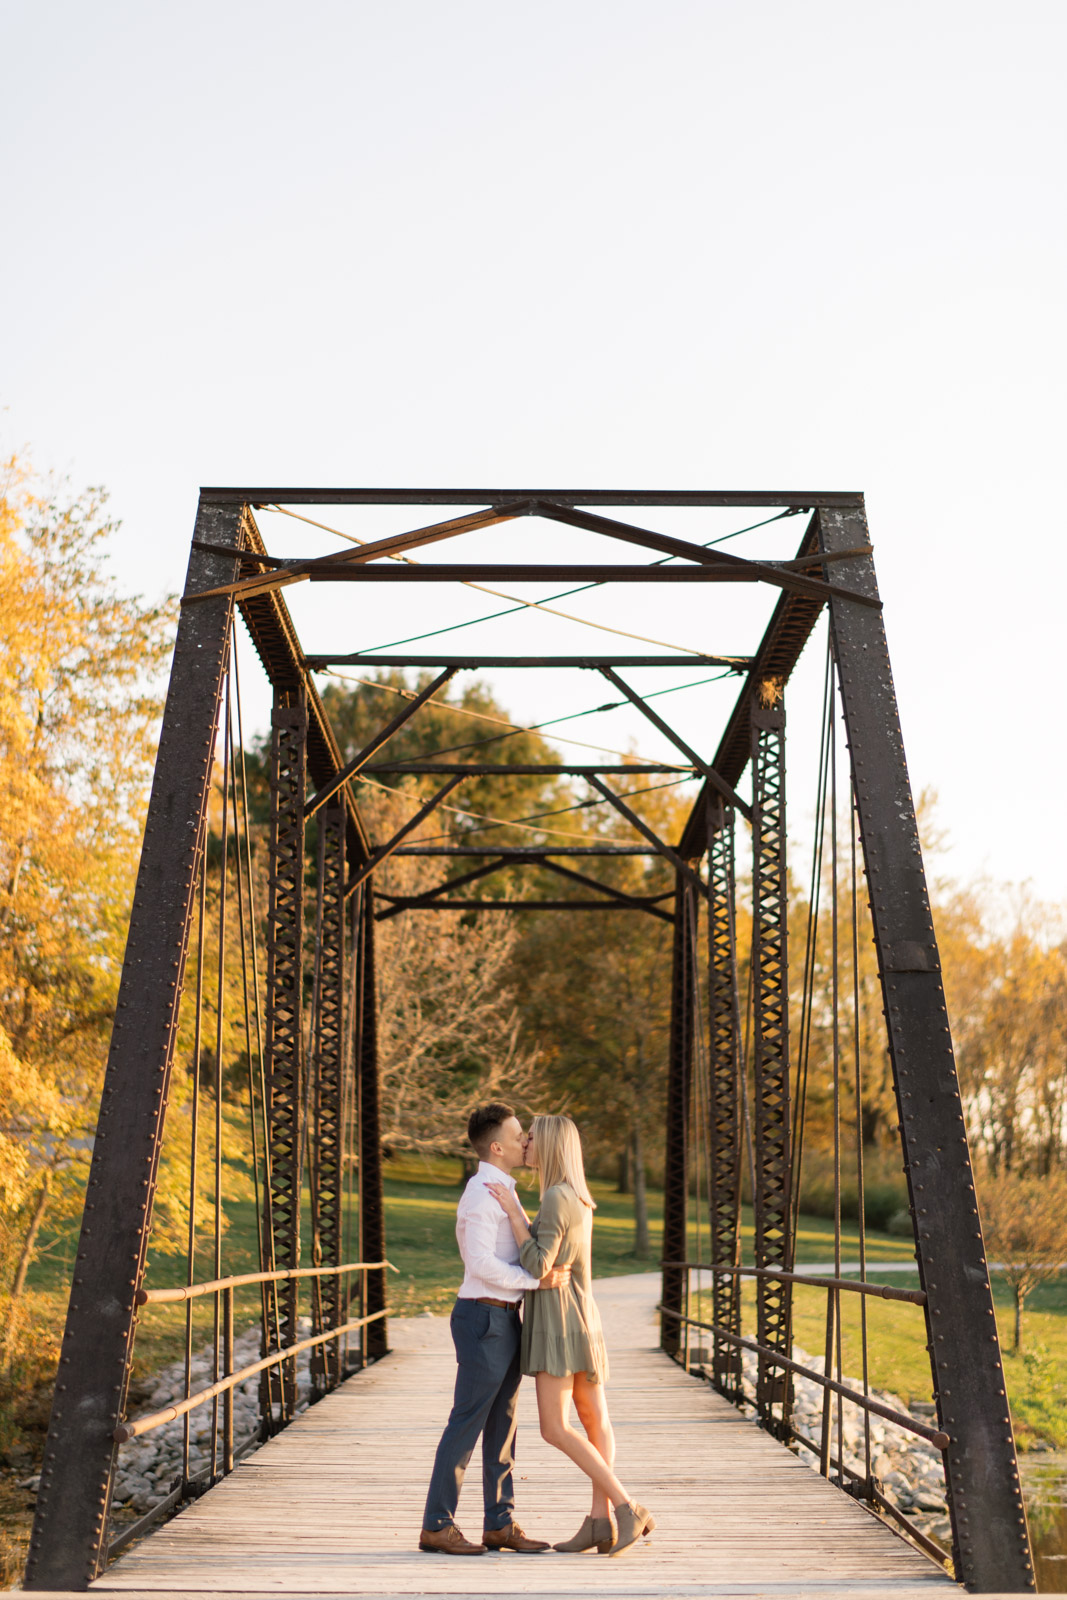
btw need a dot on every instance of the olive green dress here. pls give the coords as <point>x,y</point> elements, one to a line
<point>561,1330</point>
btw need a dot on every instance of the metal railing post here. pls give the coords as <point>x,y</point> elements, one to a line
<point>227,1368</point>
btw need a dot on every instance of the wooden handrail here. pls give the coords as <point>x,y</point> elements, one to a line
<point>194,1291</point>
<point>131,1430</point>
<point>884,1291</point>
<point>940,1440</point>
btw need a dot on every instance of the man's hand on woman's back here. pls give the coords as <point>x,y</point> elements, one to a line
<point>556,1278</point>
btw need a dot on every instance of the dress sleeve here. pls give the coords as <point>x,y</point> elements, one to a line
<point>538,1253</point>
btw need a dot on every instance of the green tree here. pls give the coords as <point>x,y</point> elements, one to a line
<point>594,993</point>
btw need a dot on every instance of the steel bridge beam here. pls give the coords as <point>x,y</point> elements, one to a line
<point>990,1542</point>
<point>67,1545</point>
<point>724,1141</point>
<point>285,1065</point>
<point>318,661</point>
<point>329,1059</point>
<point>801,499</point>
<point>674,1295</point>
<point>770,1033</point>
<point>371,1193</point>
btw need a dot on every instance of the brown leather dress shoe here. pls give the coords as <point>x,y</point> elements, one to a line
<point>448,1542</point>
<point>513,1538</point>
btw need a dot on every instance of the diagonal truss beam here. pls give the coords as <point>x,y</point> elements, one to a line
<point>648,833</point>
<point>274,638</point>
<point>395,544</point>
<point>363,873</point>
<point>403,902</point>
<point>779,650</point>
<point>725,789</point>
<point>381,738</point>
<point>685,549</point>
<point>638,902</point>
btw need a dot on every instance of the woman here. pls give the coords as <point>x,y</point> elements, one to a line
<point>562,1342</point>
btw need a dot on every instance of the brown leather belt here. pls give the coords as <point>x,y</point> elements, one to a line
<point>508,1305</point>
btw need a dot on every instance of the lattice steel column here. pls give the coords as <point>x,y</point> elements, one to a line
<point>371,1196</point>
<point>67,1545</point>
<point>725,1109</point>
<point>770,1000</point>
<point>328,1067</point>
<point>284,1031</point>
<point>679,1087</point>
<point>990,1542</point>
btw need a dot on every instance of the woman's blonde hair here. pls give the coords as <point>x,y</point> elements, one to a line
<point>559,1155</point>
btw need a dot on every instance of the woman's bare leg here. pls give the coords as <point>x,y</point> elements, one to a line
<point>591,1404</point>
<point>553,1410</point>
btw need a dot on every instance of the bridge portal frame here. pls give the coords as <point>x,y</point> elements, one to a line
<point>230,568</point>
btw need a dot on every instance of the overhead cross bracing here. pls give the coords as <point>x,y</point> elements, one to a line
<point>741,1053</point>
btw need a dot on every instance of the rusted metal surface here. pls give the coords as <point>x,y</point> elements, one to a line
<point>305,496</point>
<point>770,1040</point>
<point>679,1096</point>
<point>483,663</point>
<point>724,1108</point>
<point>529,769</point>
<point>371,1192</point>
<point>568,573</point>
<point>285,1063</point>
<point>985,1500</point>
<point>329,1062</point>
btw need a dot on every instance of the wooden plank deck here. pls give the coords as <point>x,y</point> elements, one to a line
<point>333,1505</point>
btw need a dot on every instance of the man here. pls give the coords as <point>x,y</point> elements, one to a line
<point>486,1332</point>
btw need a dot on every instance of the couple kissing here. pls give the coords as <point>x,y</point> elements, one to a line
<point>526,1306</point>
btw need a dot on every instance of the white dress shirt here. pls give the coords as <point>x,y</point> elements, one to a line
<point>486,1242</point>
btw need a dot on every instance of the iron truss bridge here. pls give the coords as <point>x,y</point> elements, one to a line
<point>299,972</point>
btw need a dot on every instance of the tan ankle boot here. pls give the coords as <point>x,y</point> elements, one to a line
<point>634,1522</point>
<point>594,1532</point>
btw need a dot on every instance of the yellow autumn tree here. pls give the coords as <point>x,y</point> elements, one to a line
<point>79,664</point>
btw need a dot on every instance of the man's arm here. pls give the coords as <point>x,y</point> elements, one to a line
<point>481,1259</point>
<point>479,1254</point>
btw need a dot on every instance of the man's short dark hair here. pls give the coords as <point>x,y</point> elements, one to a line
<point>484,1124</point>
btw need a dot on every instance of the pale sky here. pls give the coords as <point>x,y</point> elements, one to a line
<point>600,243</point>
